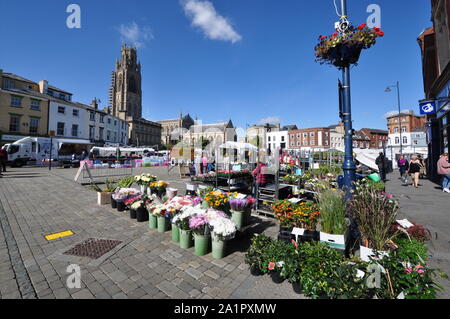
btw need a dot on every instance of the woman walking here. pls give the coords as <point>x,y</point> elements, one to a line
<point>414,170</point>
<point>444,171</point>
<point>403,166</point>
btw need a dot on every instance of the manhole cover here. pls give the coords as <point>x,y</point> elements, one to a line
<point>93,248</point>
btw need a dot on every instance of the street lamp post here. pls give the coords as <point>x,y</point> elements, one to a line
<point>388,90</point>
<point>349,166</point>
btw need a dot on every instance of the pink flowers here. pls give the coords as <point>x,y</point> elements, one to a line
<point>271,266</point>
<point>418,269</point>
<point>295,243</point>
<point>198,221</point>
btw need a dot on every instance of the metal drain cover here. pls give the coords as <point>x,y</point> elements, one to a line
<point>93,248</point>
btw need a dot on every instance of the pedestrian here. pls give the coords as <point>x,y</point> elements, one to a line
<point>414,170</point>
<point>423,170</point>
<point>382,164</point>
<point>403,166</point>
<point>3,159</point>
<point>444,170</point>
<point>205,163</point>
<point>260,176</point>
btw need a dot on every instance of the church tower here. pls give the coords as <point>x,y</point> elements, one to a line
<point>125,95</point>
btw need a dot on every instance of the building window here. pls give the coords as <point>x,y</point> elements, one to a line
<point>311,134</point>
<point>100,133</point>
<point>34,125</point>
<point>14,123</point>
<point>312,142</point>
<point>61,110</point>
<point>395,129</point>
<point>91,132</point>
<point>60,129</point>
<point>109,121</point>
<point>115,137</point>
<point>108,135</point>
<point>282,138</point>
<point>35,105</point>
<point>102,119</point>
<point>8,84</point>
<point>115,123</point>
<point>76,113</point>
<point>92,116</point>
<point>397,140</point>
<point>269,138</point>
<point>403,129</point>
<point>405,140</point>
<point>298,144</point>
<point>75,130</point>
<point>16,101</point>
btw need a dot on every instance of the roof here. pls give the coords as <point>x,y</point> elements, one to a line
<point>360,136</point>
<point>19,78</point>
<point>203,127</point>
<point>404,114</point>
<point>376,131</point>
<point>29,92</point>
<point>289,127</point>
<point>59,90</point>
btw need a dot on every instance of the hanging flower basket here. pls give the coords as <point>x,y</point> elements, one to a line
<point>344,49</point>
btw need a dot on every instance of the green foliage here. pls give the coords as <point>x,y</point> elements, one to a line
<point>412,250</point>
<point>332,212</point>
<point>256,254</point>
<point>317,265</point>
<point>126,182</point>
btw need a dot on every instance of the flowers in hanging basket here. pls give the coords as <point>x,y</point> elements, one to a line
<point>343,49</point>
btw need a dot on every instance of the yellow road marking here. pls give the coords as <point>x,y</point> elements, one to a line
<point>59,235</point>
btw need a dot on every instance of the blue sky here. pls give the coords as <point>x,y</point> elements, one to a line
<point>254,61</point>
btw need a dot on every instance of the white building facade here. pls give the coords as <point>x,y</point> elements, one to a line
<point>68,120</point>
<point>105,128</point>
<point>278,140</point>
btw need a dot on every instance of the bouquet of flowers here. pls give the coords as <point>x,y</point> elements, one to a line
<point>130,201</point>
<point>159,186</point>
<point>223,228</point>
<point>144,179</point>
<point>137,204</point>
<point>216,199</point>
<point>343,48</point>
<point>122,194</point>
<point>199,223</point>
<point>182,219</point>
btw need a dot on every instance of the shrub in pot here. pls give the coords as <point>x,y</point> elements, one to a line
<point>255,257</point>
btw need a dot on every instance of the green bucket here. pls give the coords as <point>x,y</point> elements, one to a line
<point>201,243</point>
<point>185,239</point>
<point>374,177</point>
<point>218,248</point>
<point>153,221</point>
<point>175,233</point>
<point>163,224</point>
<point>238,218</point>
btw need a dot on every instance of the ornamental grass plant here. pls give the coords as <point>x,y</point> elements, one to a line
<point>332,212</point>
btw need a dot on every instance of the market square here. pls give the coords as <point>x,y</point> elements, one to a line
<point>190,150</point>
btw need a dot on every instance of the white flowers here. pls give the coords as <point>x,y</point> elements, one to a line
<point>145,179</point>
<point>223,227</point>
<point>136,205</point>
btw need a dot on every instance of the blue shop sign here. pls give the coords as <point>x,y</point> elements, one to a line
<point>428,107</point>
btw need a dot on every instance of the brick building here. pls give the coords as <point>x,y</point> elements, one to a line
<point>377,137</point>
<point>308,138</point>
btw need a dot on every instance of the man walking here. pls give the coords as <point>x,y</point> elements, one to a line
<point>3,160</point>
<point>444,170</point>
<point>382,164</point>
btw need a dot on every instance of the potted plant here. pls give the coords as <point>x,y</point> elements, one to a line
<point>254,257</point>
<point>333,221</point>
<point>199,224</point>
<point>153,209</point>
<point>217,200</point>
<point>104,195</point>
<point>164,216</point>
<point>144,181</point>
<point>343,49</point>
<point>375,212</point>
<point>121,195</point>
<point>222,230</point>
<point>238,212</point>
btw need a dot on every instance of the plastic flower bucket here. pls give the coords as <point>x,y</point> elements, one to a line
<point>218,247</point>
<point>185,239</point>
<point>374,177</point>
<point>175,234</point>
<point>163,224</point>
<point>201,243</point>
<point>153,222</point>
<point>133,214</point>
<point>238,218</point>
<point>142,215</point>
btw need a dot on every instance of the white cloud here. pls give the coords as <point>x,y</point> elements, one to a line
<point>135,35</point>
<point>270,120</point>
<point>205,16</point>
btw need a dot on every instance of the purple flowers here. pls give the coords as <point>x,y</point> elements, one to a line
<point>238,205</point>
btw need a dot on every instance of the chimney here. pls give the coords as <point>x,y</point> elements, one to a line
<point>94,104</point>
<point>43,86</point>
